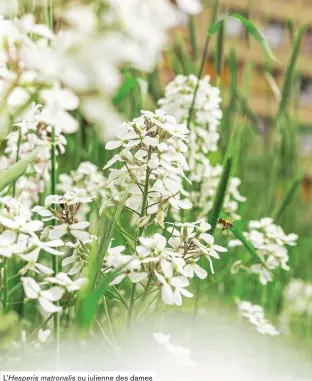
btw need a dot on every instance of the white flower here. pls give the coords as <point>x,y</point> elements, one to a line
<point>181,354</point>
<point>193,268</point>
<point>298,298</point>
<point>173,287</point>
<point>209,248</point>
<point>63,280</point>
<point>192,7</point>
<point>45,297</point>
<point>161,338</point>
<point>76,230</point>
<point>32,264</point>
<point>255,314</point>
<point>43,335</point>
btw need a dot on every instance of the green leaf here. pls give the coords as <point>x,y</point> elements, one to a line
<point>252,29</point>
<point>125,89</point>
<point>220,195</point>
<point>89,301</point>
<point>9,176</point>
<point>289,75</point>
<point>288,198</point>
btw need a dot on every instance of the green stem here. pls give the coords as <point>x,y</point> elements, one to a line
<point>214,216</point>
<point>122,299</point>
<point>143,210</point>
<point>55,264</point>
<point>5,284</point>
<point>131,306</point>
<point>53,189</point>
<point>17,156</point>
<point>287,200</point>
<point>109,322</point>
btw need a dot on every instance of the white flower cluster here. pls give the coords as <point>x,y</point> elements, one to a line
<point>171,265</point>
<point>255,315</point>
<point>271,243</point>
<point>64,209</point>
<point>298,297</point>
<point>31,133</point>
<point>206,113</point>
<point>182,355</point>
<point>19,239</point>
<point>152,163</point>
<point>203,139</point>
<point>19,236</point>
<point>87,177</point>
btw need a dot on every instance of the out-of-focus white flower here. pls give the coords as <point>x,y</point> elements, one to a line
<point>57,102</point>
<point>161,338</point>
<point>255,314</point>
<point>192,7</point>
<point>298,298</point>
<point>182,355</point>
<point>43,335</point>
<point>45,297</point>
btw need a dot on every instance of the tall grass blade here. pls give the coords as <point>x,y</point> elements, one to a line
<point>287,199</point>
<point>192,34</point>
<point>251,28</point>
<point>125,89</point>
<point>106,227</point>
<point>88,306</point>
<point>221,193</point>
<point>289,75</point>
<point>219,59</point>
<point>246,110</point>
<point>9,176</point>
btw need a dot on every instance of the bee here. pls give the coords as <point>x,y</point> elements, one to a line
<point>226,223</point>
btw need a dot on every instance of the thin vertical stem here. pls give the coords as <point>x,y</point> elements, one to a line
<point>5,284</point>
<point>17,157</point>
<point>110,326</point>
<point>143,210</point>
<point>131,305</point>
<point>55,264</point>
